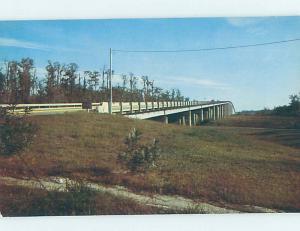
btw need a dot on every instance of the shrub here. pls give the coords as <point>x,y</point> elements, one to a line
<point>16,132</point>
<point>139,157</point>
<point>76,199</point>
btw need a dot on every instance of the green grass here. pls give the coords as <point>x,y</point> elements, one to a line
<point>215,164</point>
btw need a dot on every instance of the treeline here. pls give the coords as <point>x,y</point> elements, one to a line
<point>19,83</point>
<point>292,109</point>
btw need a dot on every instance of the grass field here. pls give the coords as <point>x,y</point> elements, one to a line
<point>223,165</point>
<point>277,129</point>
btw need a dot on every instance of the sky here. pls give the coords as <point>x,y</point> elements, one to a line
<point>252,78</point>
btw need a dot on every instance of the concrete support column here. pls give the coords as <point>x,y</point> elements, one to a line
<point>214,110</point>
<point>223,112</point>
<point>121,108</point>
<point>195,118</point>
<point>190,118</point>
<point>183,120</point>
<point>201,115</point>
<point>139,106</point>
<point>179,120</point>
<point>166,119</point>
<point>226,110</point>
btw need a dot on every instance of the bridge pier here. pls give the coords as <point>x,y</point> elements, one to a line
<point>205,114</point>
<point>221,111</point>
<point>190,118</point>
<point>182,120</point>
<point>197,120</point>
<point>215,112</point>
<point>166,119</point>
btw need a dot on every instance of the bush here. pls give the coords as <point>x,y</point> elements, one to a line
<point>76,199</point>
<point>16,132</point>
<point>138,157</point>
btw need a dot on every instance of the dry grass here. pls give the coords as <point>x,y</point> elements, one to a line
<point>260,121</point>
<point>205,163</point>
<point>277,129</point>
<point>21,201</point>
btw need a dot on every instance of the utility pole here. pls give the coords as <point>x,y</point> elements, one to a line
<point>110,83</point>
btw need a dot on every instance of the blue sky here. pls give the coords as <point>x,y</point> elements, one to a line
<point>252,78</point>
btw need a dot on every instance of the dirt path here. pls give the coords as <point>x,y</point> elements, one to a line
<point>174,203</point>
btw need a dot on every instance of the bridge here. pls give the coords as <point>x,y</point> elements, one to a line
<point>181,112</point>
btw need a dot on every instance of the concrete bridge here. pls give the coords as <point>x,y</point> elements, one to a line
<point>187,113</point>
<point>181,112</point>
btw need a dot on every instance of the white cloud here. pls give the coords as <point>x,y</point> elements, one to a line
<point>244,22</point>
<point>207,83</point>
<point>10,42</point>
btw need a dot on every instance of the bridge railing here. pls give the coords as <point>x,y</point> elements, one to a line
<point>103,107</point>
<point>136,107</point>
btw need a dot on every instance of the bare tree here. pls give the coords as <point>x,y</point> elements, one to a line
<point>93,79</point>
<point>50,80</point>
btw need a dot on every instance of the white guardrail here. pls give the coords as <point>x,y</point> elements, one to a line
<point>103,107</point>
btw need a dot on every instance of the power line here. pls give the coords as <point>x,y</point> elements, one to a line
<point>208,49</point>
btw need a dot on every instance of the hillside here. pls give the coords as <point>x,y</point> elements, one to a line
<point>277,129</point>
<point>221,166</point>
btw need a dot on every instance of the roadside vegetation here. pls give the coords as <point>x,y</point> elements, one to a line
<point>290,110</point>
<point>222,166</point>
<point>79,200</point>
<point>280,125</point>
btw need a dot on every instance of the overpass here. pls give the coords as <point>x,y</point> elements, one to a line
<point>181,112</point>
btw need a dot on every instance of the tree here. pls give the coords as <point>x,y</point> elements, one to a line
<point>158,93</point>
<point>19,83</point>
<point>51,78</point>
<point>132,83</point>
<point>93,79</point>
<point>58,68</point>
<point>178,95</point>
<point>69,78</point>
<point>145,87</point>
<point>151,84</point>
<point>124,84</point>
<point>295,103</point>
<point>25,79</point>
<point>12,78</point>
<point>103,78</point>
<point>173,94</point>
<point>139,157</point>
<point>2,86</point>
